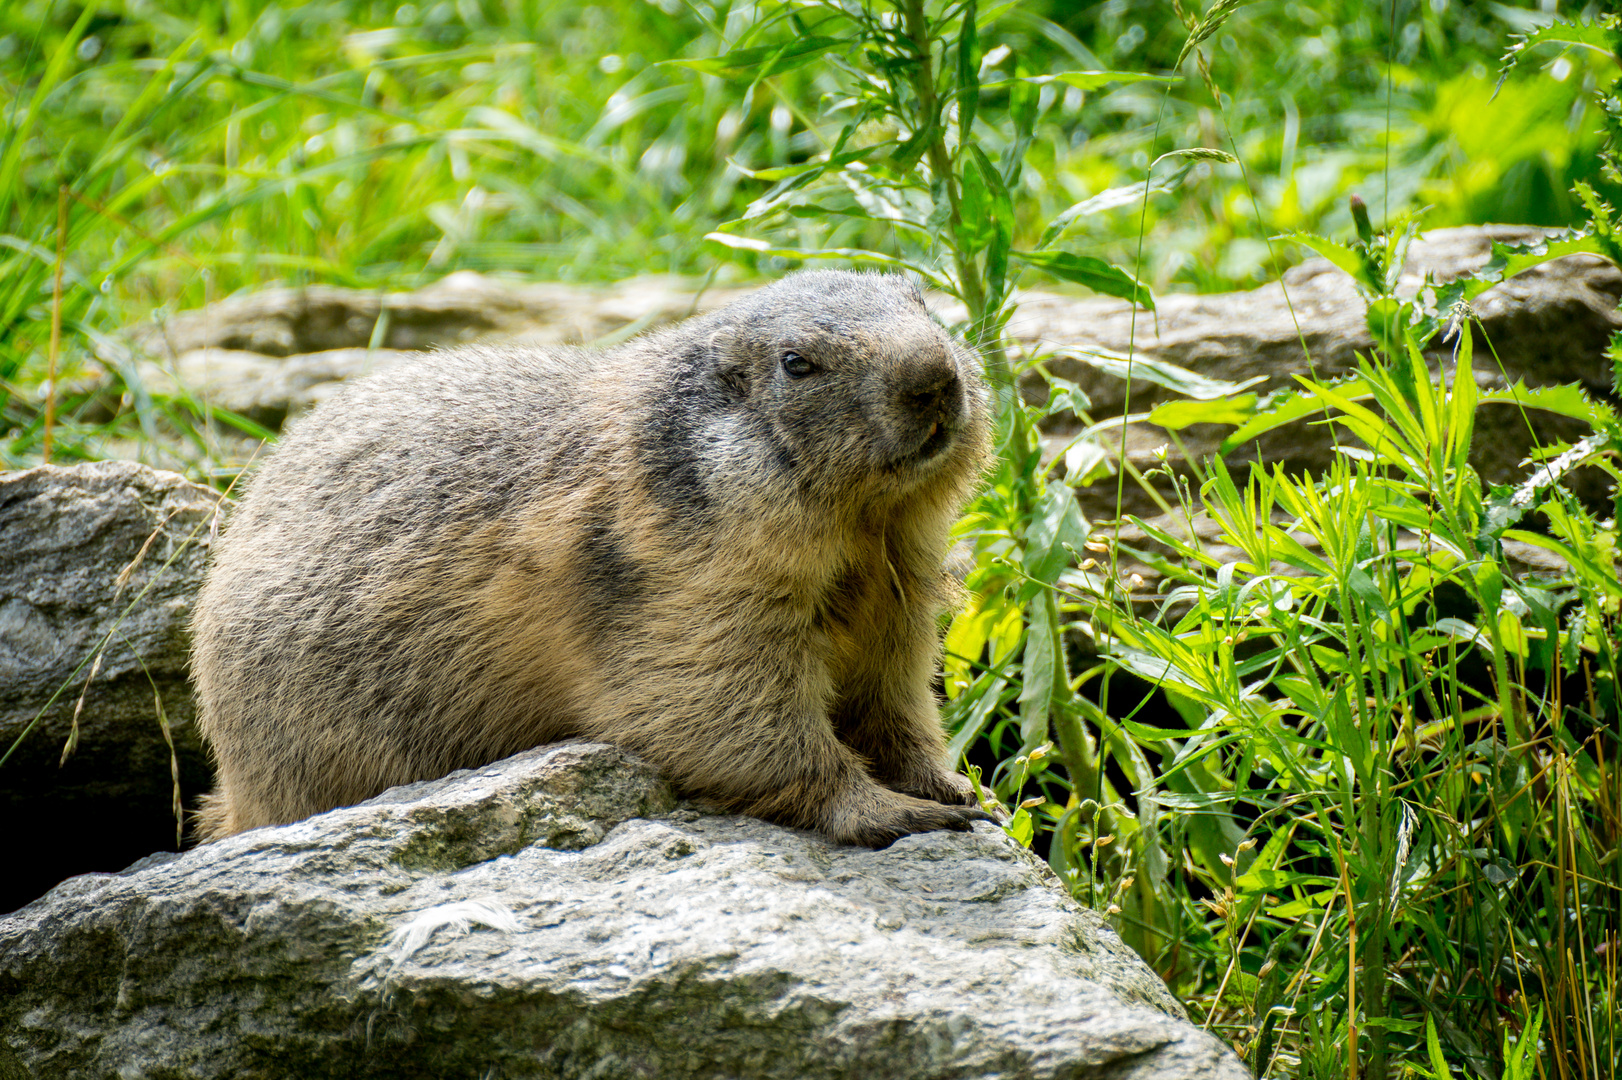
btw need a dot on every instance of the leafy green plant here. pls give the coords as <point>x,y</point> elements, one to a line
<point>1382,693</point>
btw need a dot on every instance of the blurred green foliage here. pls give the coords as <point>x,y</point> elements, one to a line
<point>370,142</point>
<point>217,146</point>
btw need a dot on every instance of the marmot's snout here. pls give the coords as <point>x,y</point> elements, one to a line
<point>928,407</point>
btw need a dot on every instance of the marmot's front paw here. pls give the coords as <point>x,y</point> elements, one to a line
<point>940,786</point>
<point>880,821</point>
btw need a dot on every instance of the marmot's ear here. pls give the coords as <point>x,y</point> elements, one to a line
<point>730,367</point>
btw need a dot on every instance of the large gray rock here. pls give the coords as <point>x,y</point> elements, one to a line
<point>604,932</point>
<point>107,552</point>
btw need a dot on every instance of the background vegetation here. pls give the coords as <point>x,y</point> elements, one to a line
<point>1369,819</point>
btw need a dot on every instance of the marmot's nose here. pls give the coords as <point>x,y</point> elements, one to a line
<point>930,395</point>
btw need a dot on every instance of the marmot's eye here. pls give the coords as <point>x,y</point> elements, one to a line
<point>797,366</point>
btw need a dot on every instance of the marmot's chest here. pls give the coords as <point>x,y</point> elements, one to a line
<point>865,604</point>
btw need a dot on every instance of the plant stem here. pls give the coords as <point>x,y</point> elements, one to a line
<point>970,285</point>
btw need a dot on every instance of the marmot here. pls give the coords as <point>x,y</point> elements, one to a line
<point>718,545</point>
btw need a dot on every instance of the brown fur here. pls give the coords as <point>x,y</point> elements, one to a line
<point>676,546</point>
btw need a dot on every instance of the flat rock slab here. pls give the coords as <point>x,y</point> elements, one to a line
<point>558,914</point>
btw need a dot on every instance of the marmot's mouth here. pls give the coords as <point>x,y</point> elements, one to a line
<point>941,436</point>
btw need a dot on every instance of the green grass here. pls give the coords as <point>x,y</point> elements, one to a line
<point>1374,799</point>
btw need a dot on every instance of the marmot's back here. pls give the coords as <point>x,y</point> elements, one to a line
<point>717,545</point>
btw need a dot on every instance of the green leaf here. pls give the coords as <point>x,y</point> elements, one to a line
<point>1176,415</point>
<point>1613,353</point>
<point>1363,587</point>
<point>1506,505</point>
<point>976,227</point>
<point>1161,373</point>
<point>1044,653</point>
<point>1287,407</point>
<point>1055,531</point>
<point>1490,582</point>
<point>18,139</point>
<point>1433,1050</point>
<point>1002,212</point>
<point>1109,199</point>
<point>1094,273</point>
<point>1064,395</point>
<point>817,166</point>
<point>1346,258</point>
<point>762,61</point>
<point>858,255</point>
<point>1462,401</point>
<point>1595,35</point>
<point>1508,260</point>
<point>968,75</point>
<point>1567,399</point>
<point>1021,828</point>
<point>1024,104</point>
<point>1081,80</point>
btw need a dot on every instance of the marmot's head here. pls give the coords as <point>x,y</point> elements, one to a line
<point>852,383</point>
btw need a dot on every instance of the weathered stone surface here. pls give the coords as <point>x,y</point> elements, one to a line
<point>605,932</point>
<point>114,551</point>
<point>265,389</point>
<point>456,309</point>
<point>1548,325</point>
<point>271,355</point>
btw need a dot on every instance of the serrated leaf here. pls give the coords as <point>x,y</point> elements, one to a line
<point>1567,399</point>
<point>1094,273</point>
<point>1176,415</point>
<point>1506,505</point>
<point>1343,257</point>
<point>1613,352</point>
<point>1596,35</point>
<point>762,61</point>
<point>1508,260</point>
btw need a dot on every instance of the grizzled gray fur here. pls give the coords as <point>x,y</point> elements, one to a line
<point>718,545</point>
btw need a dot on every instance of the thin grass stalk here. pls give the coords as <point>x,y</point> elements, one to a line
<point>56,319</point>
